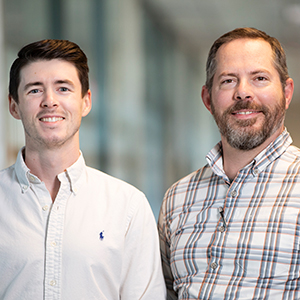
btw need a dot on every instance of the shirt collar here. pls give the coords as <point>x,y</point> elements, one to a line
<point>259,163</point>
<point>273,151</point>
<point>71,174</point>
<point>22,171</point>
<point>215,159</point>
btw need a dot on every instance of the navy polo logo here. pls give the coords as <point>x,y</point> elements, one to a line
<point>101,236</point>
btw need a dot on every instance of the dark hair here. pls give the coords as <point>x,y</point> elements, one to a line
<point>47,50</point>
<point>279,58</point>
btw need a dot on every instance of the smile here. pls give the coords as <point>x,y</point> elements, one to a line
<point>245,112</point>
<point>52,119</point>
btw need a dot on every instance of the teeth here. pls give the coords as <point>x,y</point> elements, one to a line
<point>53,119</point>
<point>245,113</point>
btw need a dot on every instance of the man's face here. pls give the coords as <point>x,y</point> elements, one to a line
<point>247,99</point>
<point>50,104</point>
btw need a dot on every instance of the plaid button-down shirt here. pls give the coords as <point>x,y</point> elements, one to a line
<point>239,239</point>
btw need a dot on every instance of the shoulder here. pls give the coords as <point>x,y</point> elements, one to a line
<point>121,195</point>
<point>7,174</point>
<point>293,151</point>
<point>177,194</point>
<point>291,156</point>
<point>110,183</point>
<point>9,183</point>
<point>190,182</point>
<point>124,202</point>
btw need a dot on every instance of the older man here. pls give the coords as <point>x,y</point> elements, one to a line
<point>231,230</point>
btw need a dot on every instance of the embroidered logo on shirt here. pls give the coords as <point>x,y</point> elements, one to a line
<point>101,236</point>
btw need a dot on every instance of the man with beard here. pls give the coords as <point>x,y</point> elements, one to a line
<point>231,230</point>
<point>68,231</point>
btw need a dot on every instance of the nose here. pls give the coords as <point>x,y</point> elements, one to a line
<point>49,100</point>
<point>243,91</point>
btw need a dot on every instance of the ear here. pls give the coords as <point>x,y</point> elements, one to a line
<point>87,103</point>
<point>288,91</point>
<point>206,98</point>
<point>14,108</point>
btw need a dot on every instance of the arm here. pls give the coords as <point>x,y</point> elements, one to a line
<point>165,253</point>
<point>142,276</point>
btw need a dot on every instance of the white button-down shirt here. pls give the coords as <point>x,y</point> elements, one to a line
<point>98,240</point>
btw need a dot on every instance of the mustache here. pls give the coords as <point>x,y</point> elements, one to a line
<point>246,105</point>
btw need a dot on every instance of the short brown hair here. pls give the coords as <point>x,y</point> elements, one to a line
<point>47,50</point>
<point>279,57</point>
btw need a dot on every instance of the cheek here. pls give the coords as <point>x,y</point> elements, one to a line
<point>269,98</point>
<point>221,100</point>
<point>27,112</point>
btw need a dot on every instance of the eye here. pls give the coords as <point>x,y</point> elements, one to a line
<point>261,78</point>
<point>63,89</point>
<point>227,81</point>
<point>34,91</point>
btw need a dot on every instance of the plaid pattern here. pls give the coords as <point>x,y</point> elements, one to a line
<point>251,253</point>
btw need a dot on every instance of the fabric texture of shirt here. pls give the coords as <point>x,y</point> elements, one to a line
<point>98,240</point>
<point>239,239</point>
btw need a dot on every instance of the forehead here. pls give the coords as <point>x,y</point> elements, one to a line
<point>242,53</point>
<point>48,69</point>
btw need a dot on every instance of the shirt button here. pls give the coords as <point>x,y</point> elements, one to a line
<point>233,193</point>
<point>45,208</point>
<point>53,282</point>
<point>214,265</point>
<point>221,229</point>
<point>255,171</point>
<point>53,244</point>
<point>31,178</point>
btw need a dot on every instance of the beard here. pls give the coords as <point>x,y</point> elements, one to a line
<point>240,134</point>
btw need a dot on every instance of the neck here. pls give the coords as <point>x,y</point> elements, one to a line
<point>235,159</point>
<point>47,164</point>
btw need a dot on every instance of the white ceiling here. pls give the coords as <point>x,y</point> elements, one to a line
<point>197,23</point>
<point>201,21</point>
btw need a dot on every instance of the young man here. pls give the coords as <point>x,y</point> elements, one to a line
<point>231,230</point>
<point>68,231</point>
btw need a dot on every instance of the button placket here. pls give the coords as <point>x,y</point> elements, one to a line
<point>214,265</point>
<point>221,229</point>
<point>255,172</point>
<point>53,252</point>
<point>52,282</point>
<point>45,207</point>
<point>53,268</point>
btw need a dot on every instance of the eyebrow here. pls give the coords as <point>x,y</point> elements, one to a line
<point>38,83</point>
<point>224,74</point>
<point>65,81</point>
<point>31,84</point>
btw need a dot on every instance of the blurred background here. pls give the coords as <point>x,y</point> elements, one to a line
<point>148,125</point>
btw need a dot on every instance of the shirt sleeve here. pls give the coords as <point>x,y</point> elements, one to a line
<point>142,276</point>
<point>164,240</point>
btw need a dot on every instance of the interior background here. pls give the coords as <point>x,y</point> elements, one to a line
<point>148,125</point>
